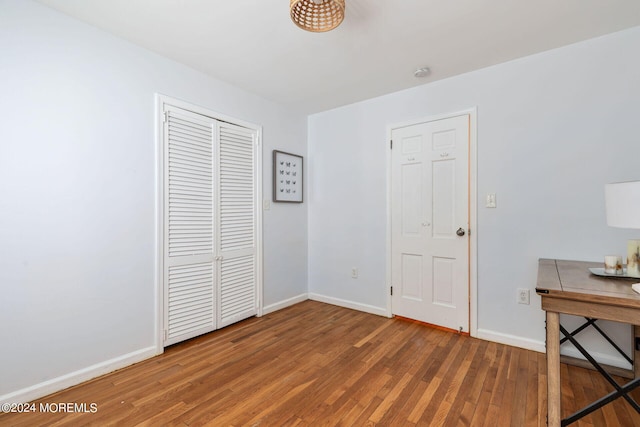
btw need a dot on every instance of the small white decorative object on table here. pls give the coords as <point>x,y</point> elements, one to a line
<point>613,264</point>
<point>633,258</point>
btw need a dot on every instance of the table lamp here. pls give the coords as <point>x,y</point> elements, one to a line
<point>623,211</point>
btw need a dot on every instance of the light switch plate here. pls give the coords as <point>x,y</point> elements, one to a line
<point>491,200</point>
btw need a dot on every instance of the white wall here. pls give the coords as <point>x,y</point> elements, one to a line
<point>77,196</point>
<point>552,130</point>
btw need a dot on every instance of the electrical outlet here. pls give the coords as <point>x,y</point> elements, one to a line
<point>354,273</point>
<point>523,296</point>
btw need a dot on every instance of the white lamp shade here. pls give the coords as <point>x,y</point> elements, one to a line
<point>623,204</point>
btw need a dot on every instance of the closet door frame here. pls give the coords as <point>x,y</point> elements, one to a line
<point>161,101</point>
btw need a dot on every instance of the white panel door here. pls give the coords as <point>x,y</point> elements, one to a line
<point>189,264</point>
<point>429,222</point>
<point>236,224</point>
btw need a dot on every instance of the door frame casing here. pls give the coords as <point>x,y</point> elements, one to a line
<point>473,207</point>
<point>160,101</point>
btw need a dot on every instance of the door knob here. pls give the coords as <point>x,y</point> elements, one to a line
<point>460,232</point>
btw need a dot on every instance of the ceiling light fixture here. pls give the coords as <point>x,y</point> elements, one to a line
<point>421,72</point>
<point>317,15</point>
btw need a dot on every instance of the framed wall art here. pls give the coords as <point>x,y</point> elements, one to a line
<point>287,177</point>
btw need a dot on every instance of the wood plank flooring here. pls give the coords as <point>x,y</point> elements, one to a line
<point>314,364</point>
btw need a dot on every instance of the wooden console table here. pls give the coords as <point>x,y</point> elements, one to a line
<point>568,287</point>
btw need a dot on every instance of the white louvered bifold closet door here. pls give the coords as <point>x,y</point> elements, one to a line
<point>189,258</point>
<point>236,224</point>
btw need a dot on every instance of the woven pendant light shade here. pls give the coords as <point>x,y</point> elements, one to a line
<point>317,15</point>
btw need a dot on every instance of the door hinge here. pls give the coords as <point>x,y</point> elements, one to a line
<point>392,291</point>
<point>164,117</point>
<point>391,144</point>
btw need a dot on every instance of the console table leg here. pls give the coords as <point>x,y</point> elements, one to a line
<point>553,369</point>
<point>636,351</point>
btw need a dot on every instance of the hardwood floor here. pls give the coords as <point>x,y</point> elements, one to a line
<point>317,364</point>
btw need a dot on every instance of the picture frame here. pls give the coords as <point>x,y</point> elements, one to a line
<point>287,177</point>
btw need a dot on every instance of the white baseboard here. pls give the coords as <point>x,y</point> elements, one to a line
<point>511,340</point>
<point>53,385</point>
<point>539,346</point>
<point>349,304</point>
<point>606,359</point>
<point>284,304</point>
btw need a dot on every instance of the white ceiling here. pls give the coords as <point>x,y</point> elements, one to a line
<point>254,45</point>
